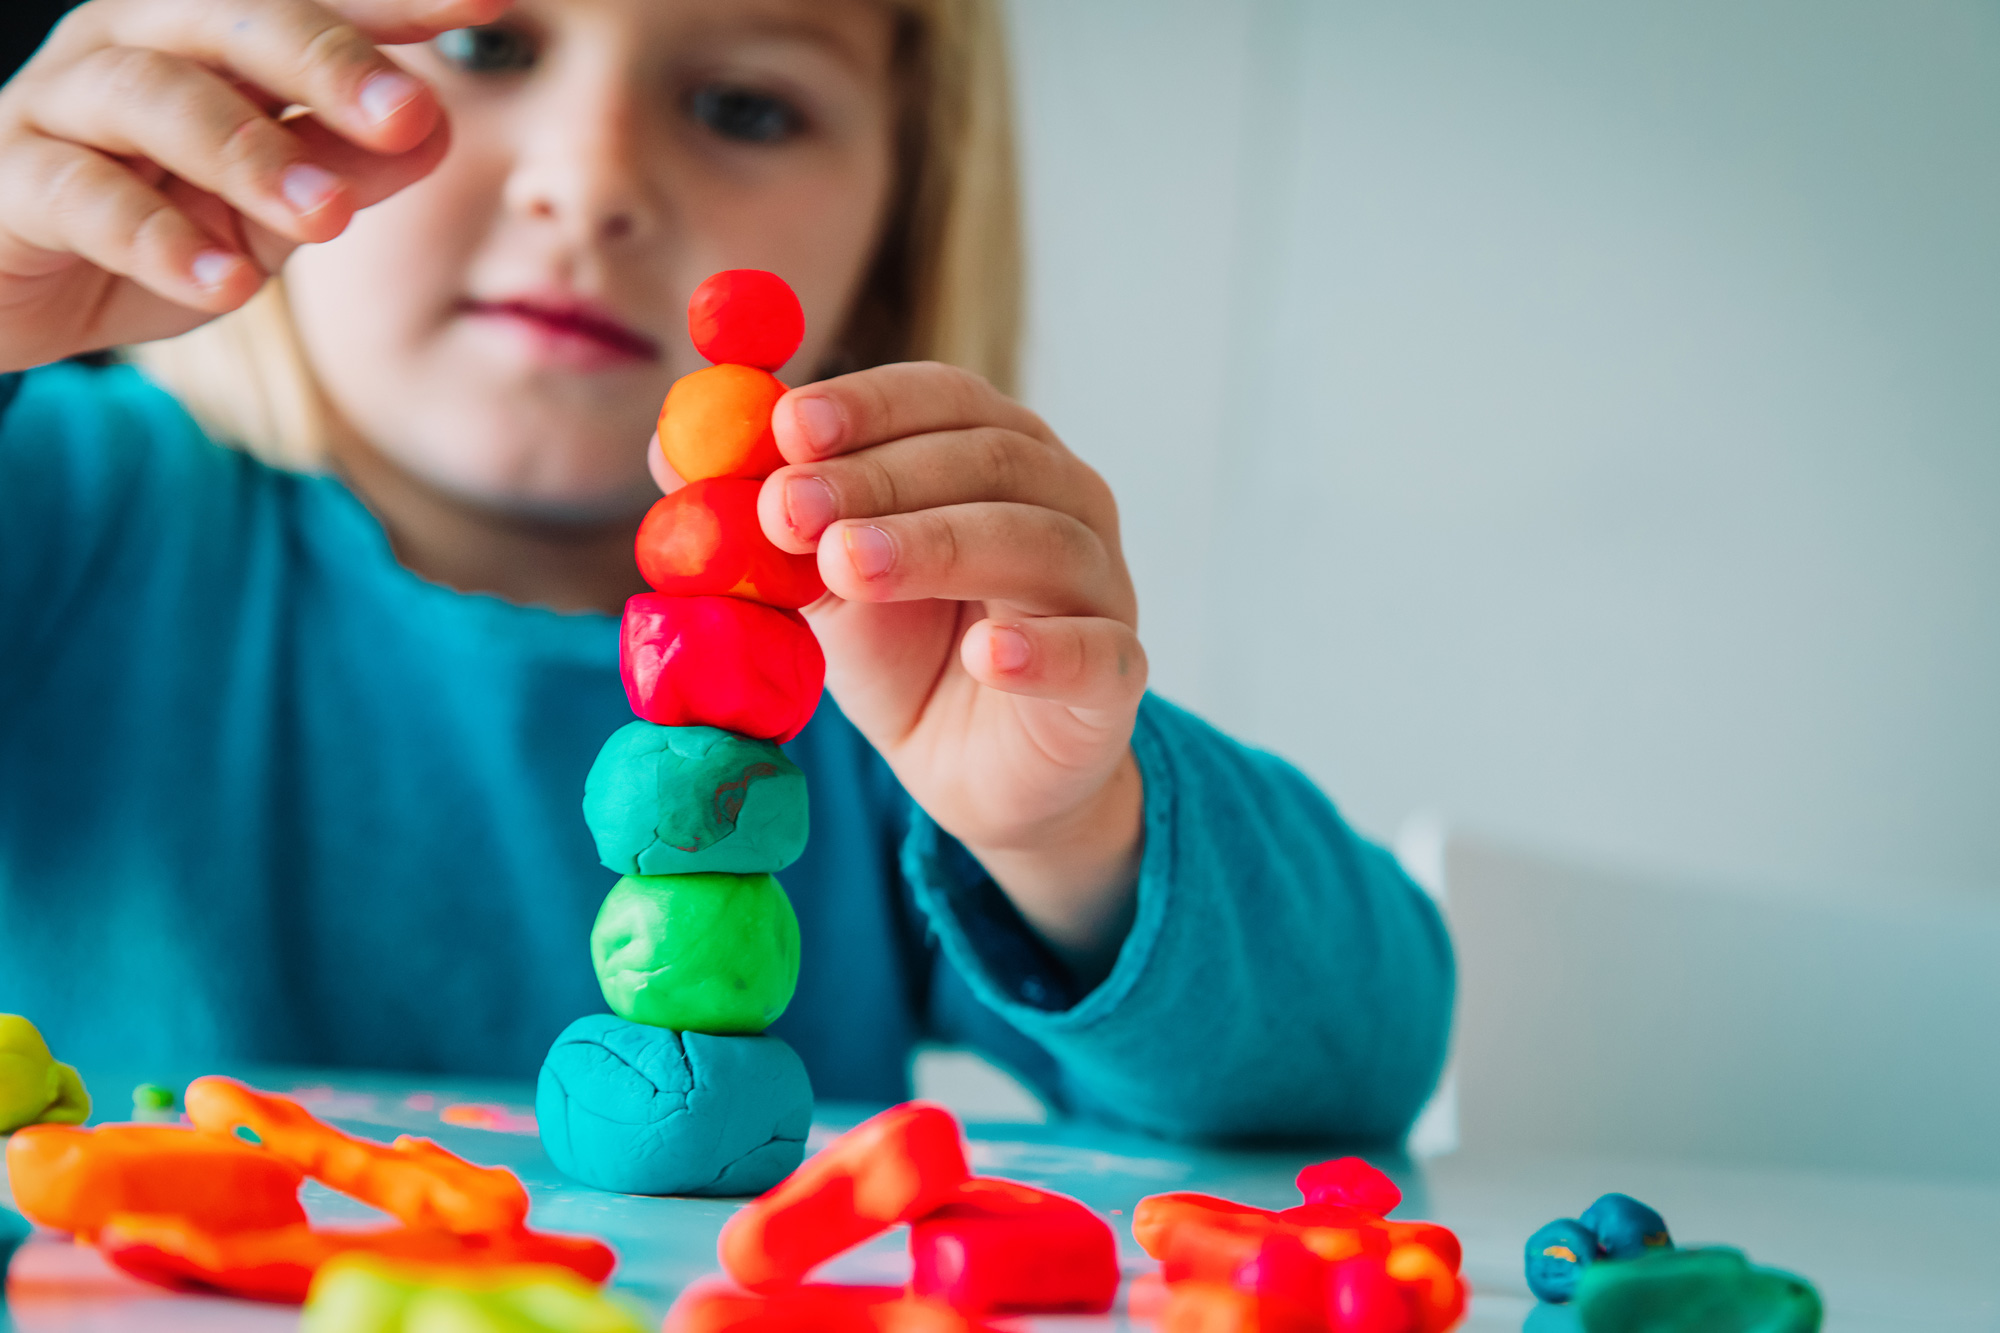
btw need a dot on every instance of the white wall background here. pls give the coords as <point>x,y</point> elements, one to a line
<point>1580,419</point>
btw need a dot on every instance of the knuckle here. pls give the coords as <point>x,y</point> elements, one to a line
<point>252,144</point>
<point>334,48</point>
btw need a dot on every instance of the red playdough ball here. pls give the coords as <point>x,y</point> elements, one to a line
<point>720,662</point>
<point>1352,1183</point>
<point>705,539</point>
<point>746,317</point>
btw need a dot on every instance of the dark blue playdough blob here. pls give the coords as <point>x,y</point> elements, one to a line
<point>1626,1228</point>
<point>1557,1256</point>
<point>14,1229</point>
<point>646,1110</point>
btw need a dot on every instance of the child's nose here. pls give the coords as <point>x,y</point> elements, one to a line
<point>583,168</point>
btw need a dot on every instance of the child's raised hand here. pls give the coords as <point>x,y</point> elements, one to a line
<point>147,181</point>
<point>983,629</point>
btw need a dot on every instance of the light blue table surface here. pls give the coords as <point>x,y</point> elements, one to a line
<point>1888,1253</point>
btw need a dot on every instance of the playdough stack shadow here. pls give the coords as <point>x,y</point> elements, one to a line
<point>677,1091</point>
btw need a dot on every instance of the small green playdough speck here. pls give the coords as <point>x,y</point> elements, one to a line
<point>1694,1291</point>
<point>153,1097</point>
<point>35,1087</point>
<point>697,953</point>
<point>688,800</point>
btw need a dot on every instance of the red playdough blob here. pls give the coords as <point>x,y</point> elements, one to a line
<point>746,317</point>
<point>1361,1297</point>
<point>1004,1246</point>
<point>710,1306</point>
<point>1352,1183</point>
<point>705,540</point>
<point>720,662</point>
<point>894,1168</point>
<point>278,1264</point>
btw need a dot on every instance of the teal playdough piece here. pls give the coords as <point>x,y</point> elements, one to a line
<point>35,1087</point>
<point>1694,1291</point>
<point>644,1110</point>
<point>697,953</point>
<point>684,800</point>
<point>14,1232</point>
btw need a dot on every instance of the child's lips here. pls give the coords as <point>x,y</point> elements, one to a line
<point>571,333</point>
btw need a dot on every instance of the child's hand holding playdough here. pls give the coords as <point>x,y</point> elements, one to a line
<point>982,632</point>
<point>147,181</point>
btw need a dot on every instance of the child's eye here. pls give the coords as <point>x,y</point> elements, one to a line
<point>739,113</point>
<point>494,49</point>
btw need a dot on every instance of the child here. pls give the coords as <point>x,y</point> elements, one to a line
<point>290,758</point>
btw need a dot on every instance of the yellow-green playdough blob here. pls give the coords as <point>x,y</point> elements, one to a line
<point>697,953</point>
<point>35,1088</point>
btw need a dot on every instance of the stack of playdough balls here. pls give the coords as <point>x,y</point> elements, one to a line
<point>697,950</point>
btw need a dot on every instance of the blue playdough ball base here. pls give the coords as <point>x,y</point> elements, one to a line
<point>646,1110</point>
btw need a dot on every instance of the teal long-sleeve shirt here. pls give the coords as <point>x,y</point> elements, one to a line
<point>265,795</point>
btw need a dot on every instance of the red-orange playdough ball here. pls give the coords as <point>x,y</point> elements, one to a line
<point>717,423</point>
<point>704,539</point>
<point>746,317</point>
<point>720,662</point>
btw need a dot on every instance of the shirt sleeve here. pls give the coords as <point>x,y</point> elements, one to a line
<point>1282,977</point>
<point>88,457</point>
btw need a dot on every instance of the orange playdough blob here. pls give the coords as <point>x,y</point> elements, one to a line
<point>75,1179</point>
<point>704,540</point>
<point>717,423</point>
<point>412,1179</point>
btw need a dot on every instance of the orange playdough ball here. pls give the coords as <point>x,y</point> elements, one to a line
<point>704,541</point>
<point>717,423</point>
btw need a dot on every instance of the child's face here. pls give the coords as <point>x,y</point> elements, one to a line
<point>504,329</point>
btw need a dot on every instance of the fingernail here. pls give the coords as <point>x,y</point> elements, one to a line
<point>871,551</point>
<point>308,188</point>
<point>384,94</point>
<point>819,421</point>
<point>1010,649</point>
<point>808,506</point>
<point>212,268</point>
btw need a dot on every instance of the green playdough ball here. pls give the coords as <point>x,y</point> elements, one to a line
<point>1694,1291</point>
<point>685,800</point>
<point>697,953</point>
<point>35,1087</point>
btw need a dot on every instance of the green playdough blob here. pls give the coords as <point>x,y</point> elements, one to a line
<point>697,953</point>
<point>35,1088</point>
<point>686,800</point>
<point>1694,1291</point>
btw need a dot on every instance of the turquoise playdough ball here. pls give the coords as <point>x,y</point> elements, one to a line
<point>644,1110</point>
<point>683,800</point>
<point>1626,1228</point>
<point>1557,1256</point>
<point>697,953</point>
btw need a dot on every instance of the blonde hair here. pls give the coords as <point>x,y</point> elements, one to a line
<point>945,283</point>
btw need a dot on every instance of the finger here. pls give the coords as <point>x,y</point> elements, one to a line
<point>1081,661</point>
<point>1043,562</point>
<point>927,472</point>
<point>296,51</point>
<point>138,102</point>
<point>371,177</point>
<point>854,411</point>
<point>663,472</point>
<point>62,198</point>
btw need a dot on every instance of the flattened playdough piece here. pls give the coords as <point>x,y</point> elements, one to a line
<point>366,1294</point>
<point>1557,1256</point>
<point>35,1088</point>
<point>697,953</point>
<point>1694,1291</point>
<point>687,800</point>
<point>646,1110</point>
